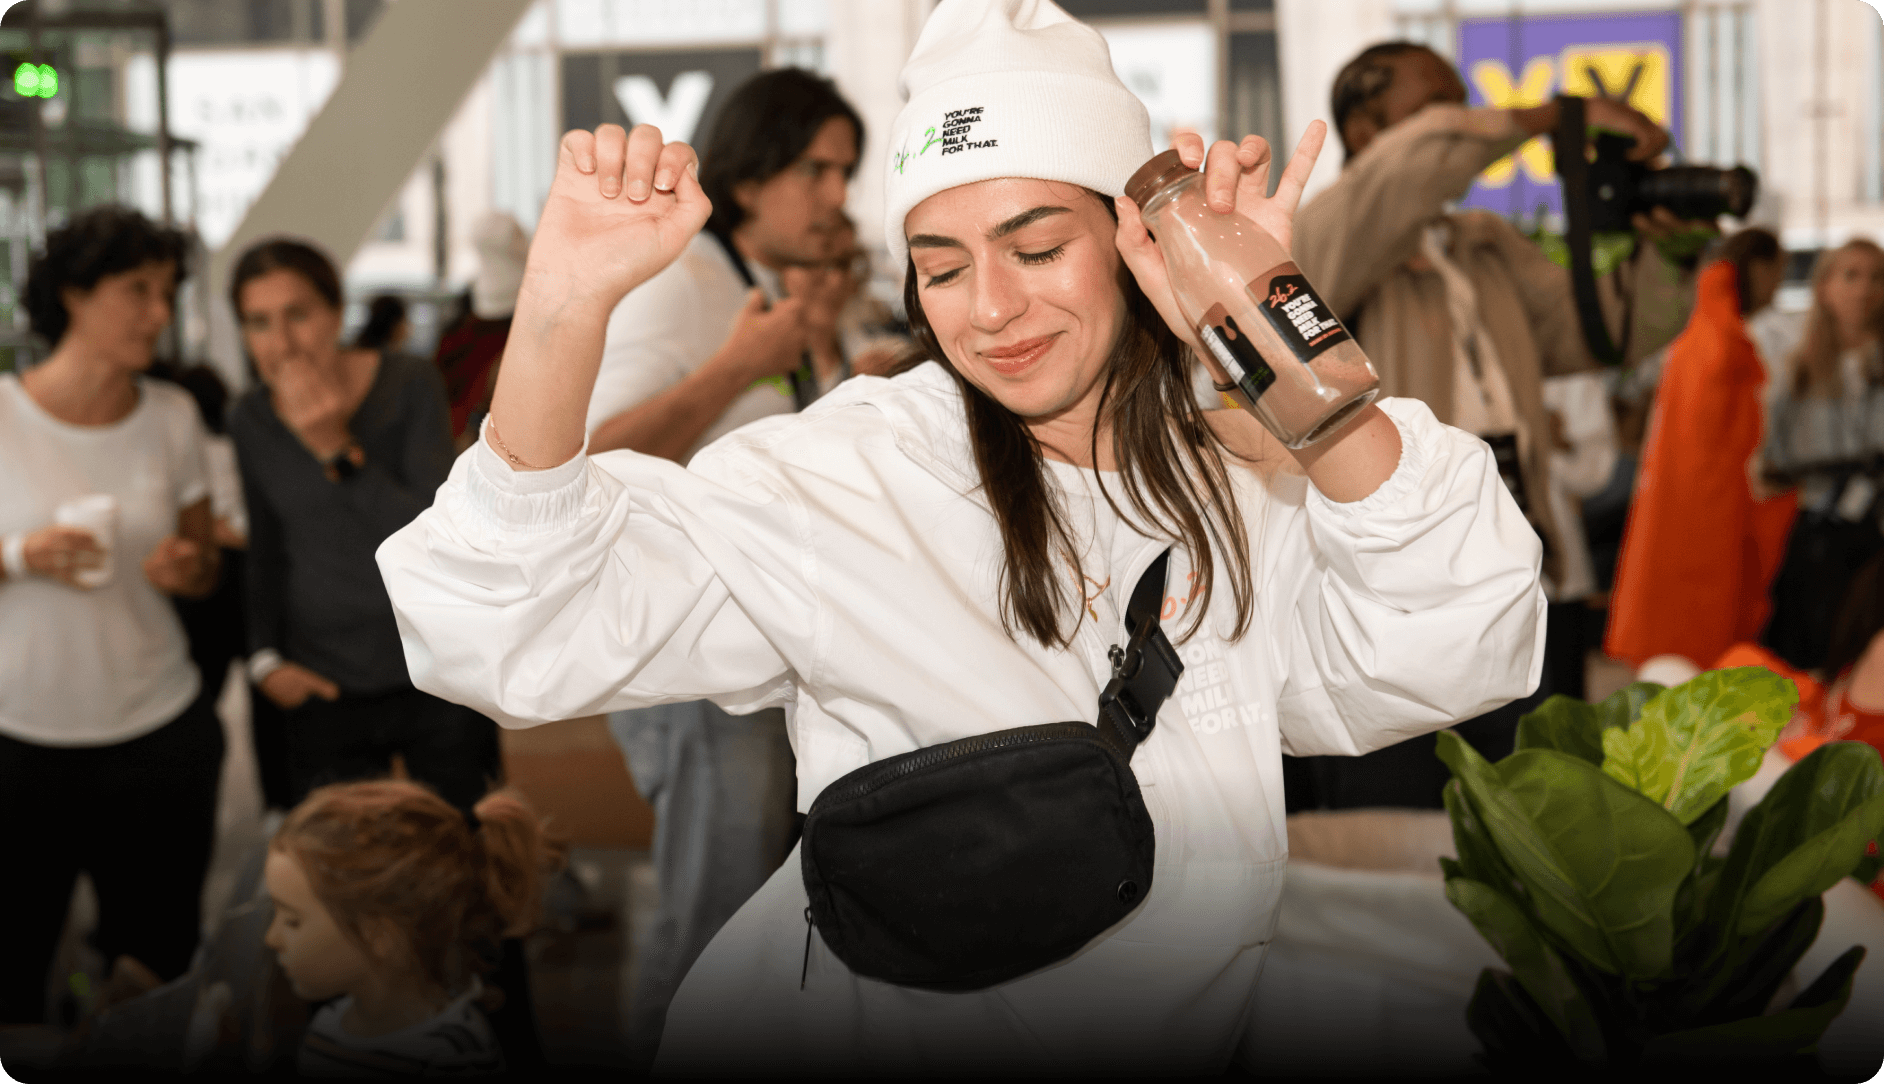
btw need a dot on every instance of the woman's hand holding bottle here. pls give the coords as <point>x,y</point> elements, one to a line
<point>1223,279</point>
<point>1236,178</point>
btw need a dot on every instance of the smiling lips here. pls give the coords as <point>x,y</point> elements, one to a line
<point>1017,358</point>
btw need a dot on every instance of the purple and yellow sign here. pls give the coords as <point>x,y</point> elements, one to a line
<point>1526,60</point>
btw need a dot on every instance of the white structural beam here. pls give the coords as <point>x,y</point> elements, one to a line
<point>400,88</point>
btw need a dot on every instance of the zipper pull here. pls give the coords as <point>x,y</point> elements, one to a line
<point>805,969</point>
<point>1117,655</point>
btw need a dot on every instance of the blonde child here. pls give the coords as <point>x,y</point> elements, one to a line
<point>388,900</point>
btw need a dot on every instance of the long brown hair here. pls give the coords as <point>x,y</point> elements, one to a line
<point>1815,363</point>
<point>394,851</point>
<point>1170,460</point>
<point>1860,619</point>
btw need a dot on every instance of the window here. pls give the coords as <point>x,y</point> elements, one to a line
<point>245,22</point>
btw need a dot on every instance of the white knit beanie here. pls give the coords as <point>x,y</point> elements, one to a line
<point>1009,88</point>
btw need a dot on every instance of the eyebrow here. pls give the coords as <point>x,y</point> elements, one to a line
<point>1018,222</point>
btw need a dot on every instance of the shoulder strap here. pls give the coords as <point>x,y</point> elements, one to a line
<point>738,261</point>
<point>804,383</point>
<point>1145,670</point>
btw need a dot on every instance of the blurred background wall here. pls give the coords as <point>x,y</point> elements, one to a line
<point>467,97</point>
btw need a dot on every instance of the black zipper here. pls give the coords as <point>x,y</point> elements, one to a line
<point>897,767</point>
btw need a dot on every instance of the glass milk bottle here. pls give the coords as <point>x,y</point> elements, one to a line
<point>1291,362</point>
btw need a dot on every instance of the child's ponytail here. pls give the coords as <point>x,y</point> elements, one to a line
<point>393,853</point>
<point>517,855</point>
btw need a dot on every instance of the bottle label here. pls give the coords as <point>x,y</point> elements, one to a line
<point>1235,352</point>
<point>1301,318</point>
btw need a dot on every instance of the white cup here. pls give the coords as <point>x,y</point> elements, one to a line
<point>97,513</point>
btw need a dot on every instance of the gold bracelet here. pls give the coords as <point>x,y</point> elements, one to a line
<point>515,460</point>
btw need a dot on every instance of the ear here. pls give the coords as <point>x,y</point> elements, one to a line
<point>746,194</point>
<point>385,942</point>
<point>1358,131</point>
<point>72,297</point>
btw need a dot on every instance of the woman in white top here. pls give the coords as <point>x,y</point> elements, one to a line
<point>1826,436</point>
<point>948,552</point>
<point>109,756</point>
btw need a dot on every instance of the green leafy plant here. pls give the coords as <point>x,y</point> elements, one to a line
<point>1586,860</point>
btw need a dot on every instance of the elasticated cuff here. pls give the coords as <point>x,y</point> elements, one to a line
<point>529,501</point>
<point>1414,457</point>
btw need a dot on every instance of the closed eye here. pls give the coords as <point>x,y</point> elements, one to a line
<point>1050,255</point>
<point>944,278</point>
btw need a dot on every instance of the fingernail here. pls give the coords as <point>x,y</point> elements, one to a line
<point>638,190</point>
<point>664,180</point>
<point>611,188</point>
<point>586,163</point>
<point>694,168</point>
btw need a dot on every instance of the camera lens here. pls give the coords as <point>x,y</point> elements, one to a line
<point>1700,192</point>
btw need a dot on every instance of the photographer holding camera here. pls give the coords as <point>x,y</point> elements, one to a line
<point>1460,310</point>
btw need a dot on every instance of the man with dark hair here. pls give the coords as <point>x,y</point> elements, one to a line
<point>709,344</point>
<point>1463,312</point>
<point>706,346</point>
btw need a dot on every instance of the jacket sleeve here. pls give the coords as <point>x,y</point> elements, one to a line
<point>1413,608</point>
<point>597,586</point>
<point>1357,231</point>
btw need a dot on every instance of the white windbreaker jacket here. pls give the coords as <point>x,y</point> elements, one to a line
<point>843,563</point>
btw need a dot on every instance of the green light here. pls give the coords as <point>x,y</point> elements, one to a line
<point>30,81</point>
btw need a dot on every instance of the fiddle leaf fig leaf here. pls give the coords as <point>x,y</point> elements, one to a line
<point>1600,864</point>
<point>1533,962</point>
<point>1809,831</point>
<point>1796,1030</point>
<point>1566,725</point>
<point>1624,706</point>
<point>1693,743</point>
<point>1816,865</point>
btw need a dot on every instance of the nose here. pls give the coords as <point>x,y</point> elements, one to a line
<point>268,343</point>
<point>999,296</point>
<point>833,188</point>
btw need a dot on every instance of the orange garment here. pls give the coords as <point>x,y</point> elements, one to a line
<point>1699,552</point>
<point>1822,715</point>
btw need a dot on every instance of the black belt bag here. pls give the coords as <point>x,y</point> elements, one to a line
<point>967,864</point>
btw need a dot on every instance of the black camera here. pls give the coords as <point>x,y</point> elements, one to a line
<point>1618,189</point>
<point>1605,192</point>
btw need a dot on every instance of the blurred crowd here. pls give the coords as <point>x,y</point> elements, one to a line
<point>1716,493</point>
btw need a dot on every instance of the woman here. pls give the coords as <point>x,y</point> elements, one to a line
<point>339,448</point>
<point>1827,439</point>
<point>1704,534</point>
<point>948,552</point>
<point>110,749</point>
<point>386,327</point>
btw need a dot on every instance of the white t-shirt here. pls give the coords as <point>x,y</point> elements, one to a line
<point>670,325</point>
<point>225,482</point>
<point>101,666</point>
